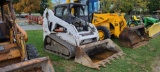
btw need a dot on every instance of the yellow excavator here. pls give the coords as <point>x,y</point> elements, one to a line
<point>114,24</point>
<point>15,54</point>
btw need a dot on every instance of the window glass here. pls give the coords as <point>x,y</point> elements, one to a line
<point>80,11</point>
<point>94,6</point>
<point>65,12</point>
<point>59,11</point>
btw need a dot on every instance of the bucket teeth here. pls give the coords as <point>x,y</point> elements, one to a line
<point>97,68</point>
<point>113,60</point>
<point>121,54</point>
<point>117,57</point>
<point>102,64</point>
<point>109,62</point>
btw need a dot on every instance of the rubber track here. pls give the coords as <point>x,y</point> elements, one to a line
<point>64,43</point>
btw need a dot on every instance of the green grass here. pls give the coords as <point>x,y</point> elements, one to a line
<point>137,60</point>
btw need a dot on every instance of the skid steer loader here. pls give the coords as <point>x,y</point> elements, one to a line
<point>68,34</point>
<point>15,55</point>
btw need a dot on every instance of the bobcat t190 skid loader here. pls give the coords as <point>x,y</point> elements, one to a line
<point>68,34</point>
<point>15,55</point>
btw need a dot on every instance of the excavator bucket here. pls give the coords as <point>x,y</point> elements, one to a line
<point>134,37</point>
<point>42,64</point>
<point>98,53</point>
<point>154,30</point>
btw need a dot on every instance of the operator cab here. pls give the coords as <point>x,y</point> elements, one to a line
<point>4,23</point>
<point>73,13</point>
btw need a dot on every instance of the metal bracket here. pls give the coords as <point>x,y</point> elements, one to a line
<point>1,48</point>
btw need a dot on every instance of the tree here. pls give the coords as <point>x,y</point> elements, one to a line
<point>27,6</point>
<point>106,5</point>
<point>45,4</point>
<point>117,5</point>
<point>48,4</point>
<point>140,5</point>
<point>15,1</point>
<point>153,5</point>
<point>18,8</point>
<point>124,5</point>
<point>56,2</point>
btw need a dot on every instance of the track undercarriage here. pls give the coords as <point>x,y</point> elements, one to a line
<point>92,55</point>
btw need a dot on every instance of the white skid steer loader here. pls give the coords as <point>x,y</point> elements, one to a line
<point>68,34</point>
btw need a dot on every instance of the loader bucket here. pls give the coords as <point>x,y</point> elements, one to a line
<point>98,53</point>
<point>154,30</point>
<point>134,37</point>
<point>42,64</point>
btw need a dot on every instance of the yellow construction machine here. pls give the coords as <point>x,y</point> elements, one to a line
<point>68,33</point>
<point>15,55</point>
<point>114,24</point>
<point>117,26</point>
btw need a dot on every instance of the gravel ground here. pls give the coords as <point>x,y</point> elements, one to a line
<point>32,27</point>
<point>23,22</point>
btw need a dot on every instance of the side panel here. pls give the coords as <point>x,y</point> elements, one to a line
<point>114,22</point>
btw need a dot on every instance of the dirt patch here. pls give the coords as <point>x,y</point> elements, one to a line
<point>156,65</point>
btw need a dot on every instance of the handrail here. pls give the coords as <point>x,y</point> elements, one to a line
<point>23,32</point>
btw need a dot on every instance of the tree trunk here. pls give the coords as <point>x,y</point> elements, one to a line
<point>29,13</point>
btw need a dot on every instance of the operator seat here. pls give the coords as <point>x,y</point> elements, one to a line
<point>3,32</point>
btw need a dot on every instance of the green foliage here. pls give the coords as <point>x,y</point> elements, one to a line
<point>56,2</point>
<point>154,5</point>
<point>27,6</point>
<point>15,1</point>
<point>124,5</point>
<point>45,4</point>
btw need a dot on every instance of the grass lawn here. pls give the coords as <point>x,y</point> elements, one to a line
<point>143,59</point>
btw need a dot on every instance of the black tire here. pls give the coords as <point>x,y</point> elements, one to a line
<point>31,51</point>
<point>105,30</point>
